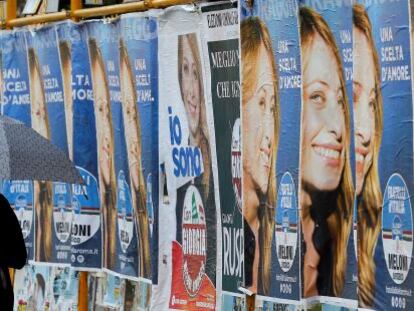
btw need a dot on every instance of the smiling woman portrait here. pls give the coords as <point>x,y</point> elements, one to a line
<point>260,129</point>
<point>368,134</point>
<point>106,153</point>
<point>326,194</point>
<point>134,149</point>
<point>43,200</point>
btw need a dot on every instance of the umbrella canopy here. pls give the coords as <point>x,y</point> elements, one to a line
<point>26,155</point>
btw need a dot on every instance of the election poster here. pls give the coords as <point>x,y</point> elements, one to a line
<point>187,229</point>
<point>384,150</point>
<point>327,153</point>
<point>15,103</point>
<point>271,112</point>
<point>52,201</point>
<point>33,288</point>
<point>137,296</point>
<point>120,248</point>
<point>114,290</point>
<point>222,65</point>
<point>86,239</point>
<point>139,87</point>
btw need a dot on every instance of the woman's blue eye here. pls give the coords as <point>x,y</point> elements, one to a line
<point>317,98</point>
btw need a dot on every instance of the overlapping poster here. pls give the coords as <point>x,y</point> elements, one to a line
<point>120,248</point>
<point>33,288</point>
<point>86,226</point>
<point>52,201</point>
<point>139,86</point>
<point>222,63</point>
<point>327,154</point>
<point>384,153</point>
<point>187,235</point>
<point>15,103</point>
<point>271,110</point>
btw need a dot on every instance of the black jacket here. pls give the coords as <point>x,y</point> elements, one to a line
<point>12,251</point>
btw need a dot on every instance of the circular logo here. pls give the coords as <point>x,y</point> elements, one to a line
<point>397,228</point>
<point>236,163</point>
<point>125,218</point>
<point>286,222</point>
<point>25,219</point>
<point>194,241</point>
<point>20,195</point>
<point>62,212</point>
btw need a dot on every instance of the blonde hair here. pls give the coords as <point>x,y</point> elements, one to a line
<point>255,34</point>
<point>107,191</point>
<point>340,221</point>
<point>43,198</point>
<point>139,195</point>
<point>66,67</point>
<point>205,142</point>
<point>370,203</point>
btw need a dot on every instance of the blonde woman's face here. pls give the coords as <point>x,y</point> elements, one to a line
<point>259,124</point>
<point>364,106</point>
<point>190,86</point>
<point>323,123</point>
<point>38,105</point>
<point>103,125</point>
<point>130,121</point>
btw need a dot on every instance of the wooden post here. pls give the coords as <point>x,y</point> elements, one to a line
<point>83,291</point>
<point>75,5</point>
<point>11,10</point>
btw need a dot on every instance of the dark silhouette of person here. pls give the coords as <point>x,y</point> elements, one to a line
<point>12,251</point>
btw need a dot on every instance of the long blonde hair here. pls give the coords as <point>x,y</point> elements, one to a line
<point>340,221</point>
<point>43,198</point>
<point>139,195</point>
<point>254,34</point>
<point>66,68</point>
<point>205,141</point>
<point>107,191</point>
<point>370,201</point>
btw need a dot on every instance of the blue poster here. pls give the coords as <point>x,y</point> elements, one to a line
<point>384,121</point>
<point>272,27</point>
<point>86,228</point>
<point>120,244</point>
<point>52,201</point>
<point>15,101</point>
<point>139,81</point>
<point>327,152</point>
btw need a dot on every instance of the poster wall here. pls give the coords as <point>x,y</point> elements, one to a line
<point>222,65</point>
<point>52,201</point>
<point>120,246</point>
<point>382,36</point>
<point>86,226</point>
<point>139,87</point>
<point>271,112</point>
<point>188,212</point>
<point>15,101</point>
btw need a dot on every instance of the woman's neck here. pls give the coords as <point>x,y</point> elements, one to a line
<point>251,204</point>
<point>195,140</point>
<point>305,199</point>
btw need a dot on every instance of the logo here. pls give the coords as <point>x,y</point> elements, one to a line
<point>397,228</point>
<point>62,211</point>
<point>286,222</point>
<point>236,163</point>
<point>20,195</point>
<point>125,216</point>
<point>194,241</point>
